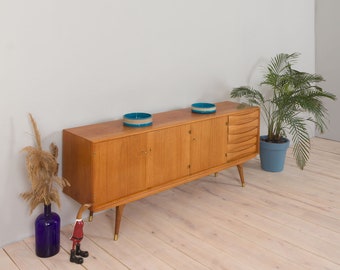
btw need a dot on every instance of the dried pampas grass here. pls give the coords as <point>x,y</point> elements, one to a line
<point>42,170</point>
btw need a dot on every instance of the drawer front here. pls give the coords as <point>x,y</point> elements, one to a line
<point>243,118</point>
<point>244,130</point>
<point>241,145</point>
<point>236,139</point>
<point>243,135</point>
<point>242,153</point>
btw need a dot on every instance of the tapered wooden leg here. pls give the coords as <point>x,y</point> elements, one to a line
<point>215,174</point>
<point>81,210</point>
<point>119,213</point>
<point>240,172</point>
<point>91,216</point>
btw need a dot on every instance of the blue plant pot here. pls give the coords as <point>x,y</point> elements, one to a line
<point>273,155</point>
<point>47,233</point>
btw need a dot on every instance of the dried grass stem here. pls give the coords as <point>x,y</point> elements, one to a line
<point>42,171</point>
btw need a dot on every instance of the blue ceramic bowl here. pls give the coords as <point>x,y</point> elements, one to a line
<point>203,108</point>
<point>137,119</point>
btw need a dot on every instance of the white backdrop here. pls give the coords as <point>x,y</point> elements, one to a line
<point>328,59</point>
<point>74,62</point>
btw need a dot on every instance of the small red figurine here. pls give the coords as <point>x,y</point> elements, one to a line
<point>77,236</point>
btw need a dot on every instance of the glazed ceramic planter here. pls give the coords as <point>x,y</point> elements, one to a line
<point>273,155</point>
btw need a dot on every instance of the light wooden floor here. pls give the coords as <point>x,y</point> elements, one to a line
<point>288,220</point>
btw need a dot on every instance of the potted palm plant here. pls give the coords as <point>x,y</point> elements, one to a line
<point>293,100</point>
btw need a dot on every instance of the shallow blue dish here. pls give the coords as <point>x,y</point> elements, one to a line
<point>137,119</point>
<point>203,108</point>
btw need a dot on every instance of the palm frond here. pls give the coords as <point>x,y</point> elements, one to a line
<point>281,62</point>
<point>253,96</point>
<point>300,138</point>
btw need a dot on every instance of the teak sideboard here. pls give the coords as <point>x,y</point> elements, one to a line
<point>109,165</point>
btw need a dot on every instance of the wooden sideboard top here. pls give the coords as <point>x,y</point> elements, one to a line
<point>115,129</point>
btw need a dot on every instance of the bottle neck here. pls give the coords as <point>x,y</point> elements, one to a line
<point>47,209</point>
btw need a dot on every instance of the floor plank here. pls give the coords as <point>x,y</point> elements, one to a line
<point>58,262</point>
<point>6,262</point>
<point>23,256</point>
<point>244,228</point>
<point>98,258</point>
<point>102,233</point>
<point>158,224</point>
<point>325,145</point>
<point>259,236</point>
<point>159,248</point>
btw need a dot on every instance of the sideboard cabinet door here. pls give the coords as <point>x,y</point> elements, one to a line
<point>169,155</point>
<point>77,167</point>
<point>119,168</point>
<point>208,144</point>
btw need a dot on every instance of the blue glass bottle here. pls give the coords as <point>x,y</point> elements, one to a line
<point>47,233</point>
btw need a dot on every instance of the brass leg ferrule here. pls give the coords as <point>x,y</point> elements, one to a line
<point>115,238</point>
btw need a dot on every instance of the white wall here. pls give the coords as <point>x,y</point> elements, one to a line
<point>74,62</point>
<point>327,23</point>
